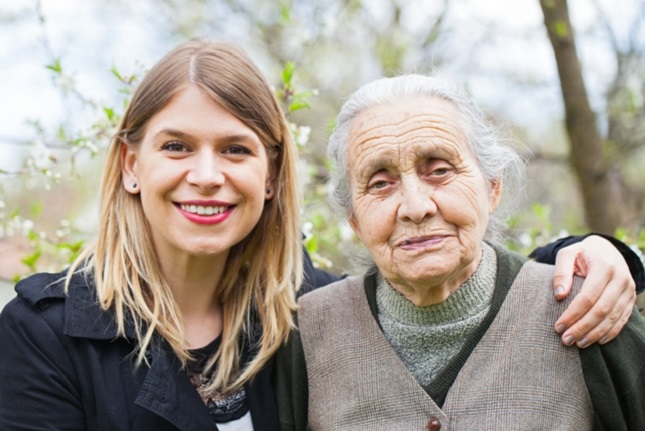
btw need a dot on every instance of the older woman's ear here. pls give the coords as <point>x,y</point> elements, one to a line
<point>351,219</point>
<point>495,193</point>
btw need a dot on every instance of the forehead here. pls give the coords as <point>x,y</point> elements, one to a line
<point>420,123</point>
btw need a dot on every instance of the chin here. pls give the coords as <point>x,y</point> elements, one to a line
<point>205,250</point>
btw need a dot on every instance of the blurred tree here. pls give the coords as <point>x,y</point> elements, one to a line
<point>609,201</point>
<point>316,52</point>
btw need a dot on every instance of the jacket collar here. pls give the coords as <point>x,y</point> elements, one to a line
<point>84,318</point>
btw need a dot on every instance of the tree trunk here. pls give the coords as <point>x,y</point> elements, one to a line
<point>601,194</point>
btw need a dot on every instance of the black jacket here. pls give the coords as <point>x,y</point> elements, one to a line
<point>63,367</point>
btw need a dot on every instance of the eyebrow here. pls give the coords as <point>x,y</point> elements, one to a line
<point>372,163</point>
<point>246,138</point>
<point>375,163</point>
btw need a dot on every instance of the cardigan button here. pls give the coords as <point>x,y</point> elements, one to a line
<point>434,424</point>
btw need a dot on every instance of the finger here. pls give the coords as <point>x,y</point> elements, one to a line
<point>607,328</point>
<point>594,287</point>
<point>618,326</point>
<point>565,264</point>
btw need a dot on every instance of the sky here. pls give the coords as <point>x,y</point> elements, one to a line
<point>72,31</point>
<point>91,38</point>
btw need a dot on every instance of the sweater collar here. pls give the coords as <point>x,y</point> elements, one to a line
<point>472,297</point>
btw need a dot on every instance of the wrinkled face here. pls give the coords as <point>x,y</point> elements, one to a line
<point>421,204</point>
<point>202,175</point>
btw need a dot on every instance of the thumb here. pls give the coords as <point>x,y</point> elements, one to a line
<point>565,267</point>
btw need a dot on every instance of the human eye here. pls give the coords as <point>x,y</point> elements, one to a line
<point>174,147</point>
<point>237,150</point>
<point>438,169</point>
<point>379,182</point>
<point>438,172</point>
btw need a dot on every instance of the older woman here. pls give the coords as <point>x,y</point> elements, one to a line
<point>447,330</point>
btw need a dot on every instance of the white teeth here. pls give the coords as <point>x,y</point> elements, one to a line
<point>202,210</point>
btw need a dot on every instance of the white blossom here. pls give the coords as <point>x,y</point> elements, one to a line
<point>302,137</point>
<point>40,156</point>
<point>307,229</point>
<point>525,240</point>
<point>27,227</point>
<point>346,232</point>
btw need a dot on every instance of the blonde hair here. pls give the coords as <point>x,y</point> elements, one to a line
<point>262,271</point>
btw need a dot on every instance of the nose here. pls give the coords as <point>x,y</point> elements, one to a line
<point>205,171</point>
<point>417,201</point>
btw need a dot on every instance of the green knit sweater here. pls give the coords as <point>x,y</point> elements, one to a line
<point>427,338</point>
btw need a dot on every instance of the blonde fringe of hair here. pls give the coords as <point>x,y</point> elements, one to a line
<point>262,272</point>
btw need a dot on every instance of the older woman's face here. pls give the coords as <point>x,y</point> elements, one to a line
<point>421,204</point>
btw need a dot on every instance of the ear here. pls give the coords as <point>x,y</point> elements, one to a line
<point>270,183</point>
<point>129,169</point>
<point>355,227</point>
<point>269,190</point>
<point>494,194</point>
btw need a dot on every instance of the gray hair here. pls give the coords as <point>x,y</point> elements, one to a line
<point>496,160</point>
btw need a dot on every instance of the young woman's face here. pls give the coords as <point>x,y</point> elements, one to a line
<point>203,177</point>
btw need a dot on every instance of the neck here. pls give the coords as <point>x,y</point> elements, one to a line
<point>435,290</point>
<point>194,283</point>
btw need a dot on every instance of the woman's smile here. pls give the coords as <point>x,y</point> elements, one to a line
<point>206,213</point>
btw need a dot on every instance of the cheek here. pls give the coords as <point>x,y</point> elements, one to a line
<point>251,182</point>
<point>464,205</point>
<point>375,219</point>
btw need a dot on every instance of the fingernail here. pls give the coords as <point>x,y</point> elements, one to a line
<point>603,340</point>
<point>559,290</point>
<point>560,328</point>
<point>568,340</point>
<point>583,343</point>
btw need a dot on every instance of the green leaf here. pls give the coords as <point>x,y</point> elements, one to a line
<point>298,104</point>
<point>36,209</point>
<point>61,134</point>
<point>32,259</point>
<point>287,73</point>
<point>285,14</point>
<point>56,67</point>
<point>116,73</point>
<point>541,211</point>
<point>109,112</point>
<point>621,234</point>
<point>311,245</point>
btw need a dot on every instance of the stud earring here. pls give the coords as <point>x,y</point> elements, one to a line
<point>134,185</point>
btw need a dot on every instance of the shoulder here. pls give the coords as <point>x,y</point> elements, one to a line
<point>33,321</point>
<point>333,292</point>
<point>40,299</point>
<point>41,286</point>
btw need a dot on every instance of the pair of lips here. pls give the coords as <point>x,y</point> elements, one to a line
<point>422,240</point>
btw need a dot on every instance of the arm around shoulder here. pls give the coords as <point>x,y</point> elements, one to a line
<point>39,388</point>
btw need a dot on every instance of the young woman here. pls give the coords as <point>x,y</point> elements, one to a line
<point>193,271</point>
<point>170,320</point>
